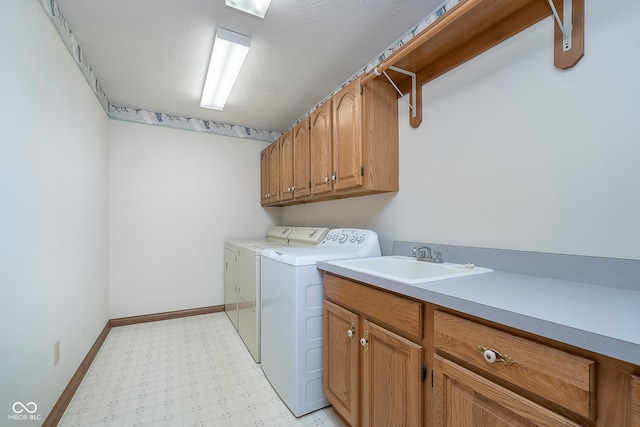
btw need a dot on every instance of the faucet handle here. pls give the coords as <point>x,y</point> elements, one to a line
<point>437,255</point>
<point>421,251</point>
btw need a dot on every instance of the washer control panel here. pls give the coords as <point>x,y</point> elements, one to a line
<point>350,238</point>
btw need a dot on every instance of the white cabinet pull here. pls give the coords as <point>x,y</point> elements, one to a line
<point>493,356</point>
<point>351,333</point>
<point>365,341</point>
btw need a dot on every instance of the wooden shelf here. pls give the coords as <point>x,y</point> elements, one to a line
<point>470,28</point>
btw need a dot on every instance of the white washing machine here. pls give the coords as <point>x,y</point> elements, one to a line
<point>291,344</point>
<point>242,277</point>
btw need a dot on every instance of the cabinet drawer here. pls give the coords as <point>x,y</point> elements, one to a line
<point>400,314</point>
<point>554,375</point>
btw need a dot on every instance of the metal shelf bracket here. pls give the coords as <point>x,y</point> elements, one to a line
<point>566,24</point>
<point>415,97</point>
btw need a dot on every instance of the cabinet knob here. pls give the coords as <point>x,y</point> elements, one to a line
<point>351,333</point>
<point>365,341</point>
<point>493,356</point>
<point>334,176</point>
<point>326,179</point>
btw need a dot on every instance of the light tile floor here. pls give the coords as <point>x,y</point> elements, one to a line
<point>192,371</point>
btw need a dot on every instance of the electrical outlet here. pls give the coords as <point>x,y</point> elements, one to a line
<point>56,353</point>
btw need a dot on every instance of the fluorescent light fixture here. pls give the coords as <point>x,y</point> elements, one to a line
<point>229,51</point>
<point>254,7</point>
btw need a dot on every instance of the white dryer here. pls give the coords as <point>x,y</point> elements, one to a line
<point>291,327</point>
<point>242,277</point>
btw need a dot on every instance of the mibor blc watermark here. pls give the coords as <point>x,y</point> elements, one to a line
<point>24,412</point>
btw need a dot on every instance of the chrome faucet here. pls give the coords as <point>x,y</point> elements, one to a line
<point>423,253</point>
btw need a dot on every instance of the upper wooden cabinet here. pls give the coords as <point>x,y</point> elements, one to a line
<point>365,138</point>
<point>264,176</point>
<point>353,146</point>
<point>285,148</point>
<point>320,149</point>
<point>274,172</point>
<point>301,160</point>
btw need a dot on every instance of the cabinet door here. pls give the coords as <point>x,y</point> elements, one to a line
<point>320,149</point>
<point>635,401</point>
<point>274,172</point>
<point>286,165</point>
<point>347,137</point>
<point>391,379</point>
<point>341,350</point>
<point>463,398</point>
<point>264,177</point>
<point>301,160</point>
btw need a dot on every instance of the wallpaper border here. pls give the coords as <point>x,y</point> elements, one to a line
<point>138,115</point>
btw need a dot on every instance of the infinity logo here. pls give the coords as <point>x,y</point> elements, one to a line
<point>22,407</point>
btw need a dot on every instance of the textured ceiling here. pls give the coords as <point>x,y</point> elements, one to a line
<point>153,54</point>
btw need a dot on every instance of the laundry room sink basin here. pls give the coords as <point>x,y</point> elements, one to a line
<point>408,270</point>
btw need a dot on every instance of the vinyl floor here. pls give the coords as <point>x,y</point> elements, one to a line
<point>191,371</point>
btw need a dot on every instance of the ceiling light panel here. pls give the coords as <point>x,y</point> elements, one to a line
<point>227,57</point>
<point>254,7</point>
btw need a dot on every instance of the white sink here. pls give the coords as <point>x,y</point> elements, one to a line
<point>408,270</point>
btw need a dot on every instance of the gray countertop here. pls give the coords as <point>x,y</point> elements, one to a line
<point>602,319</point>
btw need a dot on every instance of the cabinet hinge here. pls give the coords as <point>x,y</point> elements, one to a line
<point>432,378</point>
<point>424,370</point>
<point>361,90</point>
<point>361,170</point>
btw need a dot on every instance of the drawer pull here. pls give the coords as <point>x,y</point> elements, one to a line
<point>493,356</point>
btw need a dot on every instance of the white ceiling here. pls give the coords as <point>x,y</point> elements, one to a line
<point>153,54</point>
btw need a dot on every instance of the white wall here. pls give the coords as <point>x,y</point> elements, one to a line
<point>176,196</point>
<point>515,154</point>
<point>53,211</point>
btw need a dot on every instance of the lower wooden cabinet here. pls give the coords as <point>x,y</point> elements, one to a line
<point>341,379</point>
<point>563,379</point>
<point>464,398</point>
<point>635,401</point>
<point>379,347</point>
<point>391,378</point>
<point>373,376</point>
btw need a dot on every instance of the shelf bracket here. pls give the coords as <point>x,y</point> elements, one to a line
<point>566,24</point>
<point>569,32</point>
<point>415,96</point>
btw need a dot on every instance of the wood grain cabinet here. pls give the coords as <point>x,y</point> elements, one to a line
<point>373,355</point>
<point>347,147</point>
<point>301,160</point>
<point>485,376</point>
<point>365,139</point>
<point>264,177</point>
<point>320,150</point>
<point>395,361</point>
<point>635,401</point>
<point>274,172</point>
<point>285,151</point>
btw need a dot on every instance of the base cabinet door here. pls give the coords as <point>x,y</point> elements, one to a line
<point>373,354</point>
<point>635,401</point>
<point>464,398</point>
<point>391,379</point>
<point>341,350</point>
